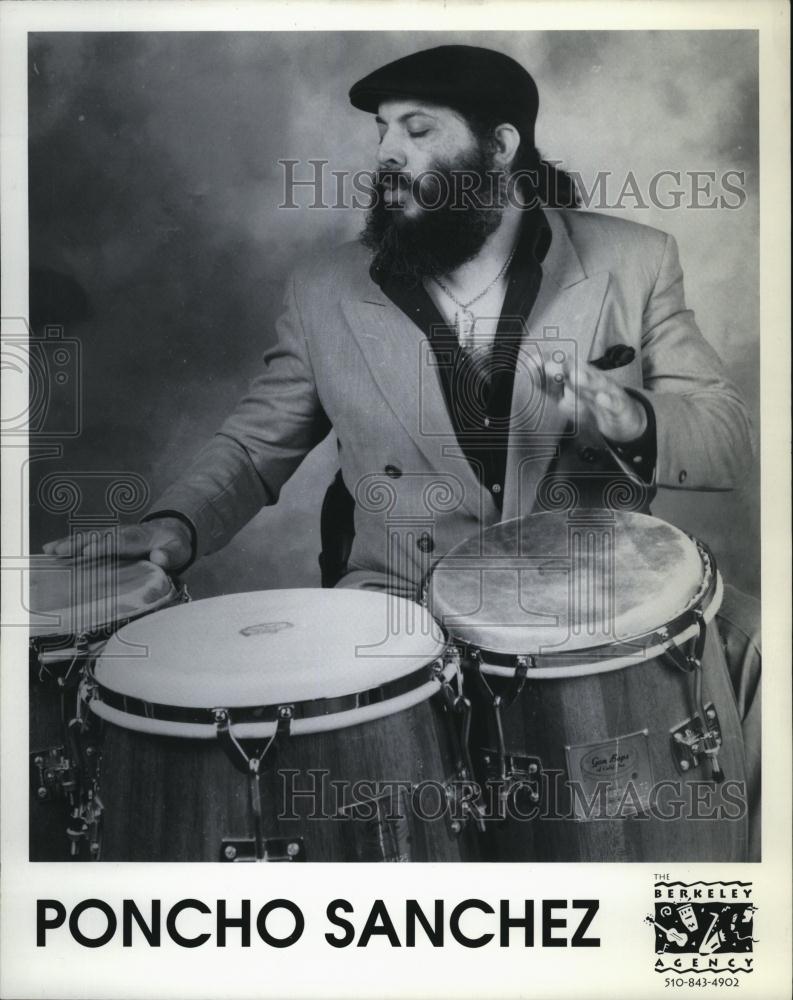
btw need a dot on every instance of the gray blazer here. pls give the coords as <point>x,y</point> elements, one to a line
<point>349,359</point>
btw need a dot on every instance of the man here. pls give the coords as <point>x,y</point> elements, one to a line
<point>472,353</point>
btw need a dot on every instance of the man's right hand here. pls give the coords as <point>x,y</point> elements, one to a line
<point>165,541</point>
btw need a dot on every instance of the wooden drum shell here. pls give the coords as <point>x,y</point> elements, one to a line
<point>168,798</point>
<point>550,715</point>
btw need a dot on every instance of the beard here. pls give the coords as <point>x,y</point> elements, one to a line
<point>442,236</point>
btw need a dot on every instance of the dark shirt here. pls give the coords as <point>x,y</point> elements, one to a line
<point>478,393</point>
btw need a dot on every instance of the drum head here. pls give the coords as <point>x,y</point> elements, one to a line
<point>71,597</point>
<point>561,582</point>
<point>268,648</point>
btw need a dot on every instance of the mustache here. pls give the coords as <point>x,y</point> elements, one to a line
<point>393,178</point>
<point>456,187</point>
<point>403,181</point>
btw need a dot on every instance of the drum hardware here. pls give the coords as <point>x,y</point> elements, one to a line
<point>81,731</point>
<point>52,773</point>
<point>502,765</point>
<point>523,773</point>
<point>275,849</point>
<point>463,808</point>
<point>456,703</point>
<point>381,830</point>
<point>524,776</point>
<point>688,739</point>
<point>85,824</point>
<point>250,765</point>
<point>48,657</point>
<point>708,736</point>
<point>234,750</point>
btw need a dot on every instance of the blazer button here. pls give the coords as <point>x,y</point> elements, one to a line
<point>392,471</point>
<point>425,542</point>
<point>588,454</point>
<point>683,476</point>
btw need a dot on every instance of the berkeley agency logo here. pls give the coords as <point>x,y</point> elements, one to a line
<point>703,927</point>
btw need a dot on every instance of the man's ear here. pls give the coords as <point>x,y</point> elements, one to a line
<point>507,140</point>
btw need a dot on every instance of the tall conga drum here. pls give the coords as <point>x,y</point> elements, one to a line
<point>74,607</point>
<point>605,725</point>
<point>283,725</point>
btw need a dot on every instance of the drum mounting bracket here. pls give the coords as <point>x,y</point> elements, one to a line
<point>512,773</point>
<point>275,849</point>
<point>52,773</point>
<point>692,742</point>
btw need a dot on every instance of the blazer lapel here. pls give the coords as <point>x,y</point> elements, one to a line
<point>561,327</point>
<point>401,362</point>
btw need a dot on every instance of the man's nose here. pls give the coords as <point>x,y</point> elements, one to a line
<point>390,154</point>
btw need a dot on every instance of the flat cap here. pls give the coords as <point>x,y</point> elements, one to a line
<point>463,77</point>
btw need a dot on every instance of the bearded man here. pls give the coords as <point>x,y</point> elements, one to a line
<point>484,342</point>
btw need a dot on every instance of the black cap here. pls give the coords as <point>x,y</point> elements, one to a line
<point>463,77</point>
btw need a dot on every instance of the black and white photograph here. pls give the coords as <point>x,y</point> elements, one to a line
<point>388,446</point>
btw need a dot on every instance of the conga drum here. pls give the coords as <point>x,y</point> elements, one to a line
<point>74,606</point>
<point>605,726</point>
<point>283,725</point>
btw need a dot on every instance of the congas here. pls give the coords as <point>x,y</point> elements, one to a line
<point>605,727</point>
<point>74,606</point>
<point>283,725</point>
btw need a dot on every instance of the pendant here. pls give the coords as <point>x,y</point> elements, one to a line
<point>465,328</point>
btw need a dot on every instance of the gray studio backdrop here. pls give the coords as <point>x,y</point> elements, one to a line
<point>156,240</point>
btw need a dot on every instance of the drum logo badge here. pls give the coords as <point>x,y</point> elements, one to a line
<point>703,928</point>
<point>611,778</point>
<point>265,628</point>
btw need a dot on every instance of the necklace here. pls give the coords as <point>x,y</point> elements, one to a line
<point>464,319</point>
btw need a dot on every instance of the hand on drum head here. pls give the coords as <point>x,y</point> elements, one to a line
<point>165,541</point>
<point>618,416</point>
